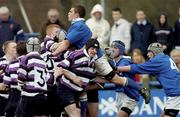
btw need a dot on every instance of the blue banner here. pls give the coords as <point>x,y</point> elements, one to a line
<point>107,105</point>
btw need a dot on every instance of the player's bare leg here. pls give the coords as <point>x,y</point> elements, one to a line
<point>93,109</point>
<point>72,110</point>
<point>122,114</point>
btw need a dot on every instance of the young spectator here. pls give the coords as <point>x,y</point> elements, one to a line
<point>163,33</point>
<point>138,58</point>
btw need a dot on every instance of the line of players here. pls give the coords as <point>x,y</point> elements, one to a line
<point>45,83</point>
<point>29,81</point>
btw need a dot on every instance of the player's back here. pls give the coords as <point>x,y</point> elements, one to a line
<point>168,75</point>
<point>33,73</point>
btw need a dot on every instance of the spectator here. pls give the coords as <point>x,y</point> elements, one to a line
<point>177,31</point>
<point>175,55</point>
<point>121,29</point>
<point>9,28</point>
<point>141,33</point>
<point>99,26</point>
<point>138,58</point>
<point>163,33</point>
<point>53,18</point>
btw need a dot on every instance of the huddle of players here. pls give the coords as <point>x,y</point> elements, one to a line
<point>31,79</point>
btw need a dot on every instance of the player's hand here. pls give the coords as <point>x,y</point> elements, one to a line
<point>1,71</point>
<point>3,87</point>
<point>58,71</point>
<point>54,47</point>
<point>78,81</point>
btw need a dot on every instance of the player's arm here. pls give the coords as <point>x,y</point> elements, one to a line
<point>71,76</point>
<point>6,77</point>
<point>22,72</point>
<point>62,46</point>
<point>149,67</point>
<point>124,68</point>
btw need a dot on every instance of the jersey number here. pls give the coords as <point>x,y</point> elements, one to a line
<point>50,65</point>
<point>41,81</point>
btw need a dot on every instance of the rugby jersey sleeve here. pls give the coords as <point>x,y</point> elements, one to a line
<point>66,63</point>
<point>6,77</point>
<point>149,67</point>
<point>22,71</point>
<point>48,44</point>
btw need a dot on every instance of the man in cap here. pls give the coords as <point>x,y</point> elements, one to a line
<point>9,28</point>
<point>167,74</point>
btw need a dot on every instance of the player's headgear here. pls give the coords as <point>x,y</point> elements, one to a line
<point>120,45</point>
<point>33,44</point>
<point>156,48</point>
<point>92,43</point>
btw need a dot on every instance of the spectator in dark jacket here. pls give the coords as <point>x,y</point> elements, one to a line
<point>141,33</point>
<point>53,18</point>
<point>9,29</point>
<point>177,32</point>
<point>163,33</point>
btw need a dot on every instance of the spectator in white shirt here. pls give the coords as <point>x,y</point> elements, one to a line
<point>121,29</point>
<point>99,26</point>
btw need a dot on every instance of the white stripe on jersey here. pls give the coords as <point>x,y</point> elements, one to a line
<point>6,78</point>
<point>20,70</point>
<point>81,59</point>
<point>24,93</point>
<point>66,62</point>
<point>4,62</point>
<point>65,81</point>
<point>4,95</point>
<point>14,75</point>
<point>14,65</point>
<point>16,87</point>
<point>42,45</point>
<point>36,61</point>
<point>20,31</point>
<point>91,70</point>
<point>49,42</point>
<point>30,83</point>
